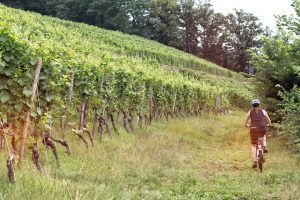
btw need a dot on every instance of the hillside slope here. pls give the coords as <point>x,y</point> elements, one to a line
<point>74,45</point>
<point>84,39</point>
<point>198,158</point>
<point>106,65</point>
<point>81,80</point>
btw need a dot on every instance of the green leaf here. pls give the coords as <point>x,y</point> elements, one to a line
<point>32,62</point>
<point>8,58</point>
<point>4,97</point>
<point>2,64</point>
<point>39,111</point>
<point>2,85</point>
<point>21,81</point>
<point>29,74</point>
<point>7,71</point>
<point>18,107</point>
<point>28,104</point>
<point>33,114</point>
<point>86,91</point>
<point>49,97</point>
<point>43,77</point>
<point>10,83</point>
<point>3,38</point>
<point>27,91</point>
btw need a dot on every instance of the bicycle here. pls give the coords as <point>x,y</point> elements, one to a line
<point>260,153</point>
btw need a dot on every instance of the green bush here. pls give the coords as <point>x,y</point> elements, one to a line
<point>290,125</point>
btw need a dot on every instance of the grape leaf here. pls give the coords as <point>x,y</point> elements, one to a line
<point>27,91</point>
<point>49,97</point>
<point>4,97</point>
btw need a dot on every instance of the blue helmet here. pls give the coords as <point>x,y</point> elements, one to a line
<point>255,101</point>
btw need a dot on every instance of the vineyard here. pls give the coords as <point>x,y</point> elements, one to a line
<point>84,81</point>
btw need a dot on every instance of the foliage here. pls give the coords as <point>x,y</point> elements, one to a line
<point>212,34</point>
<point>188,16</point>
<point>245,30</point>
<point>15,72</point>
<point>278,77</point>
<point>189,25</point>
<point>290,125</point>
<point>113,72</point>
<point>275,65</point>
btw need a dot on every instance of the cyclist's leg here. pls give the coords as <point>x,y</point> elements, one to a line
<point>265,144</point>
<point>254,156</point>
<point>253,150</point>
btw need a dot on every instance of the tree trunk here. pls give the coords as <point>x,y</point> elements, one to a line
<point>90,136</point>
<point>100,127</point>
<point>95,123</point>
<point>36,157</point>
<point>113,123</point>
<point>2,140</point>
<point>150,104</point>
<point>107,125</point>
<point>51,144</point>
<point>125,121</point>
<point>68,105</point>
<point>27,116</point>
<point>130,120</point>
<point>82,115</point>
<point>63,143</point>
<point>174,102</point>
<point>118,118</point>
<point>166,115</point>
<point>140,121</point>
<point>10,167</point>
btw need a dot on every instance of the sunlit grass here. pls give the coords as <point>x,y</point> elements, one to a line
<point>197,158</point>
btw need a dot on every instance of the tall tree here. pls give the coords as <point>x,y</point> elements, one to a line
<point>188,25</point>
<point>74,10</point>
<point>32,5</point>
<point>109,14</point>
<point>278,75</point>
<point>163,22</point>
<point>138,12</point>
<point>212,33</point>
<point>245,30</point>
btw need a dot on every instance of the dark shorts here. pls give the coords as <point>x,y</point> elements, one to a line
<point>256,133</point>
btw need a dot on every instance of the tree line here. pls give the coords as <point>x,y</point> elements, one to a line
<point>189,25</point>
<point>278,75</point>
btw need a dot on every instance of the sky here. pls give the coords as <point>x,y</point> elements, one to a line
<point>263,9</point>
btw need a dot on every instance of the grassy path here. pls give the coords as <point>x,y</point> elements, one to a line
<point>205,158</point>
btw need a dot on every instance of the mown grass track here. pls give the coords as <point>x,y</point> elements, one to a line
<point>198,158</point>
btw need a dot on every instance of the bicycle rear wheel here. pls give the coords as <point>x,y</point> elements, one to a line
<point>260,162</point>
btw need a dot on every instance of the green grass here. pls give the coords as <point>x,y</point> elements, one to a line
<point>198,158</point>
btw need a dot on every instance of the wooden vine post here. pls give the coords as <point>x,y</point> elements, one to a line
<point>27,116</point>
<point>150,103</point>
<point>68,105</point>
<point>174,102</point>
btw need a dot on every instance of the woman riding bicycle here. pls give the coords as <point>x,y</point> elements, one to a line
<point>259,120</point>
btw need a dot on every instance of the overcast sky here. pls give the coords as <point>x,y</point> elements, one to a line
<point>263,9</point>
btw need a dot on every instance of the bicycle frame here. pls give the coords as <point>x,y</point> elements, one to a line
<point>260,153</point>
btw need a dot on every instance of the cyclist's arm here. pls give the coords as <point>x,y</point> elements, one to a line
<point>247,119</point>
<point>268,119</point>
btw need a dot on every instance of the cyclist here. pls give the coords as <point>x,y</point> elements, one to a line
<point>259,119</point>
